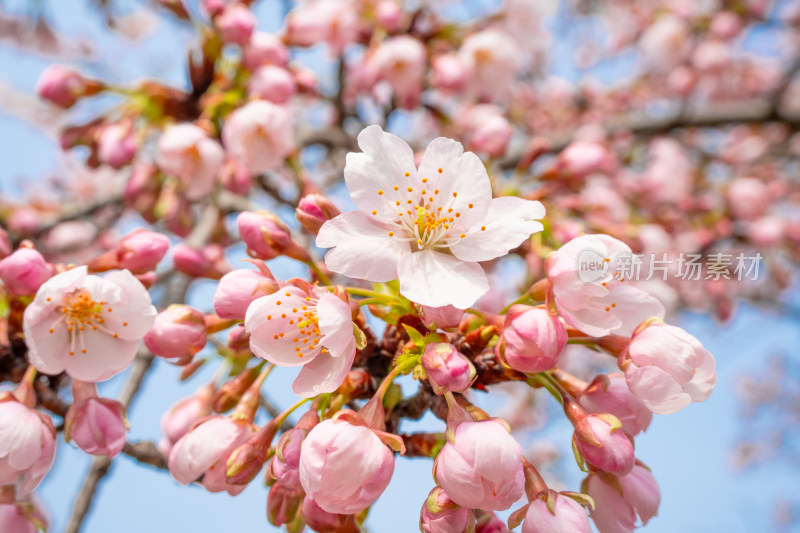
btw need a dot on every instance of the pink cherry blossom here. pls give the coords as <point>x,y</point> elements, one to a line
<point>86,325</point>
<point>264,49</point>
<point>448,73</point>
<point>491,58</point>
<point>333,21</point>
<point>183,414</point>
<point>272,83</point>
<point>238,289</point>
<point>236,24</point>
<point>186,152</point>
<point>400,61</point>
<point>581,158</point>
<point>616,509</point>
<point>24,271</point>
<point>613,396</point>
<point>207,262</point>
<point>204,452</point>
<point>313,211</point>
<point>447,317</point>
<point>481,467</point>
<point>666,42</point>
<point>27,445</point>
<point>117,145</point>
<point>594,300</point>
<point>344,467</point>
<point>532,339</point>
<point>748,198</point>
<point>407,215</point>
<point>96,425</point>
<point>139,251</point>
<point>488,130</point>
<point>318,519</point>
<point>309,327</point>
<point>178,331</point>
<point>667,368</point>
<point>566,516</point>
<point>259,136</point>
<point>63,86</point>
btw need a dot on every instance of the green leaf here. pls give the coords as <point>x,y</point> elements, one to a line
<point>416,337</point>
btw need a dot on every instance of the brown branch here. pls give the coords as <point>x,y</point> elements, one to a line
<point>146,452</point>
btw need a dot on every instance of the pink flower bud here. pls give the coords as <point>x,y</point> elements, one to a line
<point>208,262</point>
<point>97,425</point>
<point>440,514</point>
<point>117,145</point>
<point>620,500</point>
<point>24,516</point>
<point>313,211</point>
<point>237,289</point>
<point>179,331</point>
<point>183,414</point>
<point>532,339</point>
<point>447,369</point>
<point>489,523</point>
<point>283,504</point>
<point>337,446</point>
<point>236,24</point>
<point>186,152</point>
<point>388,14</point>
<point>551,512</point>
<point>585,157</point>
<point>213,7</point>
<point>448,73</point>
<point>64,86</point>
<point>748,198</point>
<point>141,250</point>
<point>447,317</point>
<point>610,394</point>
<point>204,451</point>
<point>322,521</point>
<point>272,83</point>
<point>601,441</point>
<point>492,136</point>
<point>264,49</point>
<point>267,236</point>
<point>24,220</point>
<point>27,445</point>
<point>667,368</point>
<point>24,271</point>
<point>480,467</point>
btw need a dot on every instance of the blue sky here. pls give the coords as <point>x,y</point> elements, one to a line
<point>688,451</point>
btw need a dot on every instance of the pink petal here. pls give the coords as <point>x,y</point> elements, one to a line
<point>324,373</point>
<point>104,357</point>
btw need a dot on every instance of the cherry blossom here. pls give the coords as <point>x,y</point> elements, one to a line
<point>86,325</point>
<point>308,327</point>
<point>427,227</point>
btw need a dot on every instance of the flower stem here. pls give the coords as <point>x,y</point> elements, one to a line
<point>323,278</point>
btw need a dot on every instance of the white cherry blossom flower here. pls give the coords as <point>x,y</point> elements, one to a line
<point>86,325</point>
<point>427,227</point>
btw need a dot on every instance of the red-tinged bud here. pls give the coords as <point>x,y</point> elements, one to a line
<point>268,237</point>
<point>178,332</point>
<point>96,425</point>
<point>245,462</point>
<point>283,504</point>
<point>239,339</point>
<point>322,521</point>
<point>447,369</point>
<point>313,211</point>
<point>117,145</point>
<point>24,271</point>
<point>599,439</point>
<point>64,86</point>
<point>183,414</point>
<point>139,251</point>
<point>190,368</point>
<point>440,514</point>
<point>207,262</point>
<point>356,383</point>
<point>232,391</point>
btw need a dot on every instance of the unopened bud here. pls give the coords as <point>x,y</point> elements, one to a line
<point>268,237</point>
<point>448,370</point>
<point>245,462</point>
<point>313,211</point>
<point>178,331</point>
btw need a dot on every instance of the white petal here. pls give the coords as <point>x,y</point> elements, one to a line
<point>509,222</point>
<point>335,324</point>
<point>383,164</point>
<point>46,351</point>
<point>104,357</point>
<point>324,373</point>
<point>463,174</point>
<point>435,279</point>
<point>362,247</point>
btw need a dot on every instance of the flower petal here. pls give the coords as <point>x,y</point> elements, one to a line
<point>104,357</point>
<point>324,374</point>
<point>383,163</point>
<point>462,182</point>
<point>46,351</point>
<point>435,279</point>
<point>362,247</point>
<point>336,325</point>
<point>508,223</point>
